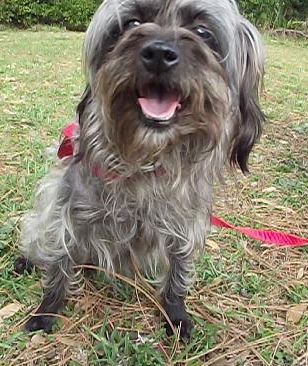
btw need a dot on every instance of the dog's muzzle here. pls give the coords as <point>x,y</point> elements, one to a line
<point>157,104</point>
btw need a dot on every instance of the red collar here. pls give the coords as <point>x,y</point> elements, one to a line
<point>67,147</point>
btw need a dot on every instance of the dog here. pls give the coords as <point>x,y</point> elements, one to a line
<point>171,97</point>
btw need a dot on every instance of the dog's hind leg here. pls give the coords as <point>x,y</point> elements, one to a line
<point>56,285</point>
<point>174,293</point>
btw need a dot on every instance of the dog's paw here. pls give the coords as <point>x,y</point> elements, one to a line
<point>22,265</point>
<point>183,322</point>
<point>178,317</point>
<point>40,322</point>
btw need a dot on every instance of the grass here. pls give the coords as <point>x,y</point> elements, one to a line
<point>243,291</point>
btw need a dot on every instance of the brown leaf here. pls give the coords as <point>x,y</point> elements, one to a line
<point>85,303</point>
<point>38,339</point>
<point>68,341</point>
<point>300,274</point>
<point>9,310</point>
<point>295,313</point>
<point>269,190</point>
<point>217,281</point>
<point>213,245</point>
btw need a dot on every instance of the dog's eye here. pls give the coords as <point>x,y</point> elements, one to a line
<point>203,32</point>
<point>132,24</point>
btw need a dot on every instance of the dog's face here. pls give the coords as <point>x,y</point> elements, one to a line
<point>166,73</point>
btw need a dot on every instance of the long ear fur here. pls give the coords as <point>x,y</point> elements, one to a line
<point>85,100</point>
<point>250,118</point>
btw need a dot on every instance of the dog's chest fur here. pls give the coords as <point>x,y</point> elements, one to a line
<point>141,214</point>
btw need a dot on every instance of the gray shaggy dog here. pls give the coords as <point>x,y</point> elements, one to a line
<point>171,97</point>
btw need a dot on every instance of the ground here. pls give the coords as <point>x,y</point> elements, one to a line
<point>249,301</point>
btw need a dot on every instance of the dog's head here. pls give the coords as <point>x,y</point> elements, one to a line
<point>173,72</point>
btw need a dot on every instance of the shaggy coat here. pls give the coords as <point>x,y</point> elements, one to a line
<point>171,97</point>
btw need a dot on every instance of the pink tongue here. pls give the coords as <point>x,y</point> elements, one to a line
<point>161,109</point>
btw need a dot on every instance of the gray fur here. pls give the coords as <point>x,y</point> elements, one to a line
<point>161,221</point>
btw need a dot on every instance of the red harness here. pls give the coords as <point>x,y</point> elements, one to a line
<point>66,149</point>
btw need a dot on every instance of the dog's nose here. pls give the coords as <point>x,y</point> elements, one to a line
<point>159,56</point>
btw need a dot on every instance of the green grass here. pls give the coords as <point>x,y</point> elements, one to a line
<point>242,292</point>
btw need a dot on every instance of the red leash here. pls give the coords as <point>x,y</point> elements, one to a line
<point>267,236</point>
<point>66,149</point>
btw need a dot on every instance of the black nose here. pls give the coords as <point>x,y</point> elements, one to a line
<point>159,56</point>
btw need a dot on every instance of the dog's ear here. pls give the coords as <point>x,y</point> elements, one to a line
<point>84,102</point>
<point>249,117</point>
<point>86,99</point>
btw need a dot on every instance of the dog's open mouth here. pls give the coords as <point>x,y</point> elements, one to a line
<point>158,106</point>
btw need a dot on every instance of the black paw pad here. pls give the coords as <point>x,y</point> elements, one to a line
<point>41,322</point>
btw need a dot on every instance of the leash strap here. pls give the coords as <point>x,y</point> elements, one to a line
<point>267,236</point>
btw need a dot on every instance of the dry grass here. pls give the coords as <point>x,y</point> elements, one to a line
<point>244,296</point>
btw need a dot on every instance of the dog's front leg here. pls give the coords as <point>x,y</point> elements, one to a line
<point>174,292</point>
<point>56,284</point>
